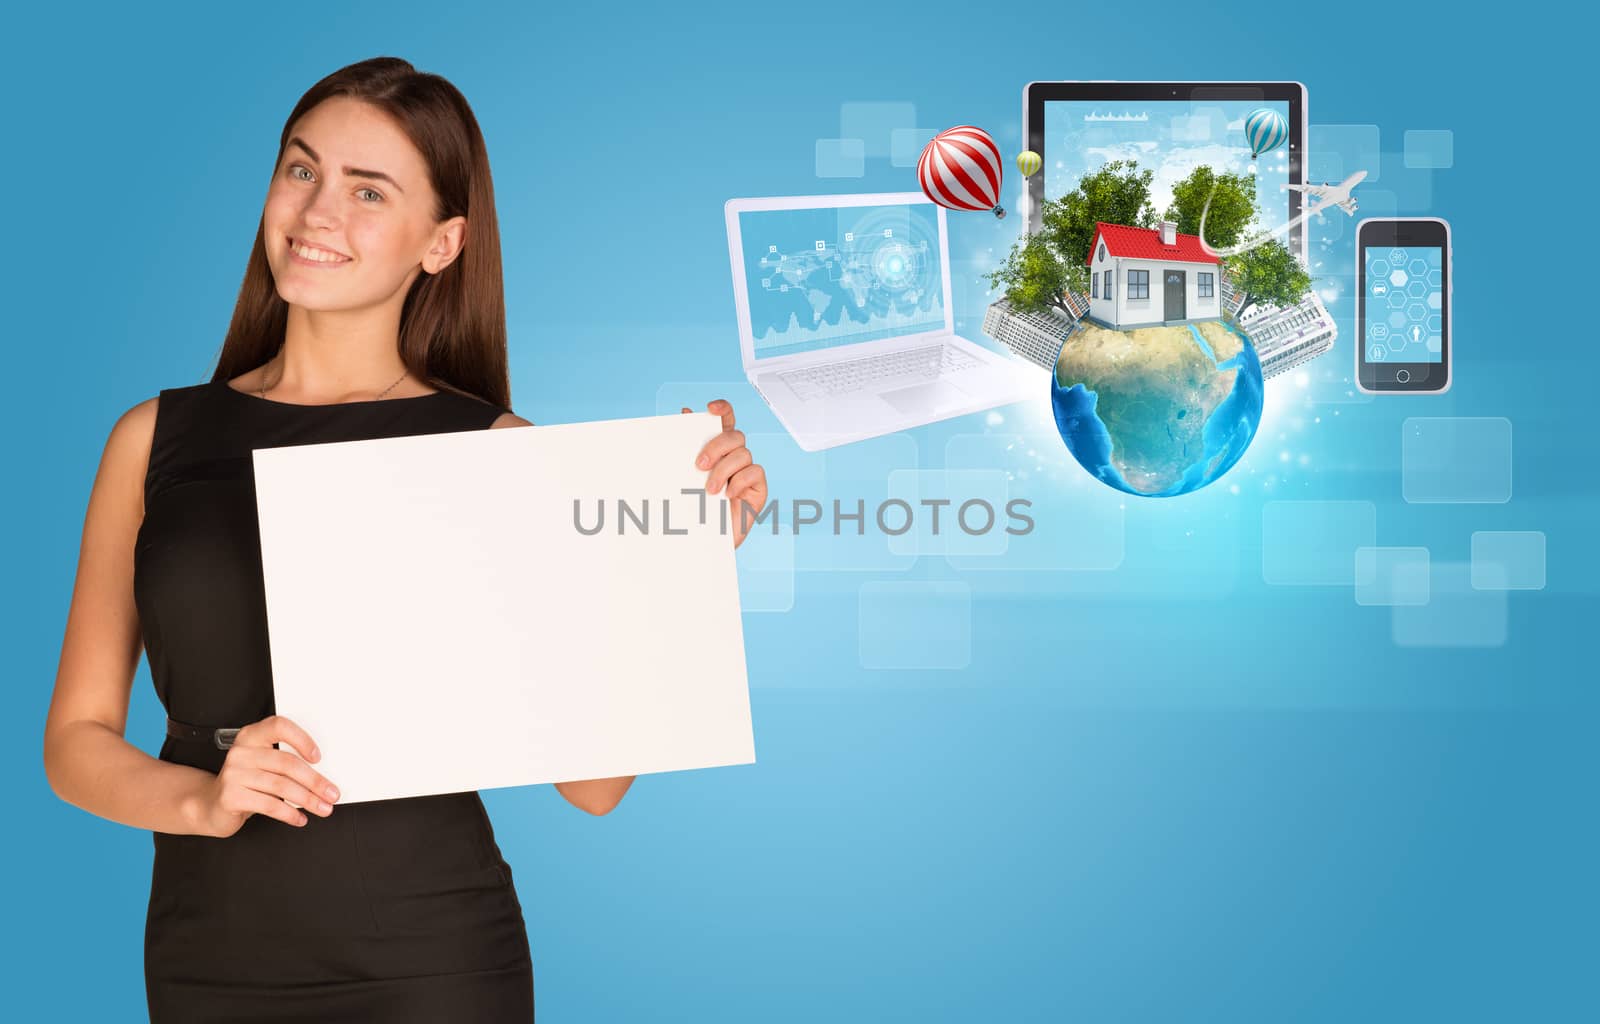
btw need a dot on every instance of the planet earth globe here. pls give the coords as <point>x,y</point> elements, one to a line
<point>1157,411</point>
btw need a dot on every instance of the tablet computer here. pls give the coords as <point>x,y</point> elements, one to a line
<point>1169,128</point>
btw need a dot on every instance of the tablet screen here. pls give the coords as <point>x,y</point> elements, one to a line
<point>1168,137</point>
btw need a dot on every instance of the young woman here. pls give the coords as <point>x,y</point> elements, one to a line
<point>372,306</point>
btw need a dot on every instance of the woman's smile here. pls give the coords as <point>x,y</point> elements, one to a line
<point>313,256</point>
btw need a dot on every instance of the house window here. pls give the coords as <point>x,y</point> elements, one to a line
<point>1109,279</point>
<point>1207,285</point>
<point>1138,284</point>
<point>1102,252</point>
<point>1094,286</point>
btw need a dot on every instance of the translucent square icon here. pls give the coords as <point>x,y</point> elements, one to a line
<point>1508,560</point>
<point>1392,576</point>
<point>1455,459</point>
<point>1335,150</point>
<point>1456,615</point>
<point>841,158</point>
<point>1432,148</point>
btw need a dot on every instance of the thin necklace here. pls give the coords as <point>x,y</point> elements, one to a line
<point>263,390</point>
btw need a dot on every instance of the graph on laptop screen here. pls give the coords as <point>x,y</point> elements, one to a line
<point>1169,138</point>
<point>820,278</point>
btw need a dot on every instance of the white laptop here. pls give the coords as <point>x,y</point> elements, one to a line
<point>845,319</point>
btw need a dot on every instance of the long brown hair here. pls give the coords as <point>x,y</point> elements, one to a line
<point>453,324</point>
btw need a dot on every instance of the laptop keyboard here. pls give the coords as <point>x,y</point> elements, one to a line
<point>830,379</point>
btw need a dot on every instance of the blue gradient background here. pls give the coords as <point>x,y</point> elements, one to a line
<point>1165,792</point>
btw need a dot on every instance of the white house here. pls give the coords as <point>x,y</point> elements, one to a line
<point>1145,277</point>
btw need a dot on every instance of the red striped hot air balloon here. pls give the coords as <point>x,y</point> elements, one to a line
<point>960,169</point>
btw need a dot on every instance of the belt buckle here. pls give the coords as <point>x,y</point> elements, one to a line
<point>223,738</point>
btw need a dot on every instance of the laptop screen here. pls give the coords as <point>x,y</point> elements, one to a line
<point>1169,138</point>
<point>829,276</point>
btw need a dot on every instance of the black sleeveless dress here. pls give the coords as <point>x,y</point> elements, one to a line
<point>389,910</point>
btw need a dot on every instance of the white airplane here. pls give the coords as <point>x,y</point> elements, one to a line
<point>1330,195</point>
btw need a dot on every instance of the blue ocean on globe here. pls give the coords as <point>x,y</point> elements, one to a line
<point>1157,411</point>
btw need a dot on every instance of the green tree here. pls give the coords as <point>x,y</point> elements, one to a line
<point>1268,274</point>
<point>1117,193</point>
<point>1034,277</point>
<point>1233,205</point>
<point>1040,267</point>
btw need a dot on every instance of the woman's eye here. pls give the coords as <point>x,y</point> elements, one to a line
<point>295,168</point>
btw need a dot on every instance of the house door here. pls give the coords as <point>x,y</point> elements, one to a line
<point>1175,295</point>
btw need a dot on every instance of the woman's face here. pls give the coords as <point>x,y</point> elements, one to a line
<point>352,188</point>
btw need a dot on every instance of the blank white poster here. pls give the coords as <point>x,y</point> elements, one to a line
<point>444,616</point>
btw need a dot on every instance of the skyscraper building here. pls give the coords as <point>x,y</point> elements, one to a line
<point>1036,337</point>
<point>1284,338</point>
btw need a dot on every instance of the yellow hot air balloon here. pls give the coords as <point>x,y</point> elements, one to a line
<point>1028,163</point>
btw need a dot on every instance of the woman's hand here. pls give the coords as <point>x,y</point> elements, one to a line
<point>257,779</point>
<point>733,468</point>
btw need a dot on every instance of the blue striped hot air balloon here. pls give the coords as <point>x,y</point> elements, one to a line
<point>1265,130</point>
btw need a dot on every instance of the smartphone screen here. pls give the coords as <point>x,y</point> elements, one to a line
<point>1403,305</point>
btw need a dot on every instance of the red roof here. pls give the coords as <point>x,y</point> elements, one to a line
<point>1145,244</point>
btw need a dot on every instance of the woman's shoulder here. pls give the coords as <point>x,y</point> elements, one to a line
<point>126,455</point>
<point>451,389</point>
<point>506,417</point>
<point>137,425</point>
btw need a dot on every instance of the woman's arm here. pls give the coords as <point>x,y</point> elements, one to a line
<point>86,759</point>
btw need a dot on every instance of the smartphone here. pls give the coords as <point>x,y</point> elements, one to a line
<point>1403,305</point>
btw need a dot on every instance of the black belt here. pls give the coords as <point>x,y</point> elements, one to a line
<point>223,738</point>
